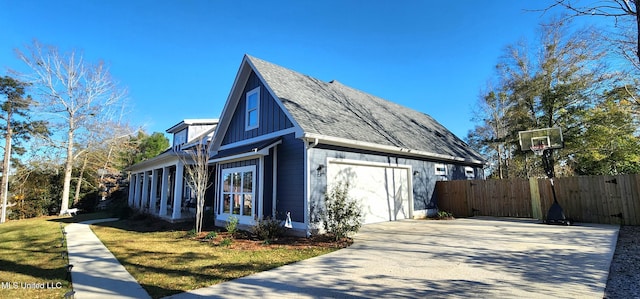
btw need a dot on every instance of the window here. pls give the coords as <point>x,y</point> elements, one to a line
<point>179,138</point>
<point>469,173</point>
<point>238,191</point>
<point>441,169</point>
<point>252,115</point>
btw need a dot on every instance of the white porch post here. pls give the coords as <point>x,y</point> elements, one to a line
<point>136,200</point>
<point>177,194</point>
<point>132,189</point>
<point>153,196</point>
<point>164,191</point>
<point>145,191</point>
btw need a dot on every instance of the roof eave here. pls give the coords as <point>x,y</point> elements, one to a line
<point>386,148</point>
<point>159,159</point>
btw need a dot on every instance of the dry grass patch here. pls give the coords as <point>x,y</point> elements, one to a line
<point>166,261</point>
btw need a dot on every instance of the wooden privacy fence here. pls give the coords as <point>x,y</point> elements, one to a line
<point>593,199</point>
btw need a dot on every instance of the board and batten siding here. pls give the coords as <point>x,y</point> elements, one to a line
<point>271,117</point>
<point>267,197</point>
<point>291,184</point>
<point>423,177</point>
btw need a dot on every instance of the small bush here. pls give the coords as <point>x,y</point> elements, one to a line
<point>343,215</point>
<point>232,225</point>
<point>192,233</point>
<point>226,242</point>
<point>268,229</point>
<point>211,235</point>
<point>444,215</point>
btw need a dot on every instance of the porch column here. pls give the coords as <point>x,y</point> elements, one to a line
<point>154,191</point>
<point>136,200</point>
<point>164,191</point>
<point>132,189</point>
<point>145,191</point>
<point>177,194</point>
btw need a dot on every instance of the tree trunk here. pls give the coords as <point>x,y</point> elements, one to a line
<point>6,167</point>
<point>637,30</point>
<point>68,167</point>
<point>76,197</point>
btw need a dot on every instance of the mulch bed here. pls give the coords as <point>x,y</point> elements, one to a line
<point>247,241</point>
<point>624,274</point>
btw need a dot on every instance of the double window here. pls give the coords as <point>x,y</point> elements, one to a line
<point>252,114</point>
<point>238,191</point>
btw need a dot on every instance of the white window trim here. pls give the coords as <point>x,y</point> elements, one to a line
<point>469,172</point>
<point>255,91</point>
<point>439,172</point>
<point>245,219</point>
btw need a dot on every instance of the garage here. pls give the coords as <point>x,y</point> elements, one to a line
<point>382,190</point>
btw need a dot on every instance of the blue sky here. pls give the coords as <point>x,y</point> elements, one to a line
<point>178,59</point>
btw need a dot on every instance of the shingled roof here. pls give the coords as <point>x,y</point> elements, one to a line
<point>335,110</point>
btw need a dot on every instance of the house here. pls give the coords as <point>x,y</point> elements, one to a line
<point>284,137</point>
<point>156,182</point>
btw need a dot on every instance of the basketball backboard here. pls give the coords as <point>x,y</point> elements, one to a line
<point>540,139</point>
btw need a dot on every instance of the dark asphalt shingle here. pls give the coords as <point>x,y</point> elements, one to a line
<point>336,110</point>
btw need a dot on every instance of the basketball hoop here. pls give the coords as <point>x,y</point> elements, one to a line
<point>538,149</point>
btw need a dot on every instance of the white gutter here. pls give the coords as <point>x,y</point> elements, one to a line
<point>382,148</point>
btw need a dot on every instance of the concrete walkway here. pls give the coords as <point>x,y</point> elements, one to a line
<point>478,258</point>
<point>96,272</point>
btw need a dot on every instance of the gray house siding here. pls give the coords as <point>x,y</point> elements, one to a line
<point>424,177</point>
<point>267,198</point>
<point>271,119</point>
<point>291,183</point>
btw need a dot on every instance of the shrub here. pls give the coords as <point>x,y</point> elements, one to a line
<point>226,242</point>
<point>232,225</point>
<point>443,215</point>
<point>211,235</point>
<point>343,215</point>
<point>192,233</point>
<point>268,229</point>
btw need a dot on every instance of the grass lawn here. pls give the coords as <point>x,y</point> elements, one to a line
<point>166,261</point>
<point>31,264</point>
<point>158,254</point>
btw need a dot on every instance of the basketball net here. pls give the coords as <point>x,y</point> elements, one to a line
<point>538,149</point>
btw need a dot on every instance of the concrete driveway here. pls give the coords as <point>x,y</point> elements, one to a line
<point>477,257</point>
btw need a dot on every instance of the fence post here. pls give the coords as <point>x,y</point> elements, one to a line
<point>536,207</point>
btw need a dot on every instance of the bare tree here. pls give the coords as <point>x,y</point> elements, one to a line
<point>198,172</point>
<point>621,11</point>
<point>72,93</point>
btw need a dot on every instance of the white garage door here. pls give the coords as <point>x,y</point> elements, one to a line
<point>382,191</point>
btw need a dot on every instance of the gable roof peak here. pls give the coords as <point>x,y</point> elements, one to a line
<point>336,110</point>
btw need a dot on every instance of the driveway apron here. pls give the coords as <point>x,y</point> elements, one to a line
<point>475,257</point>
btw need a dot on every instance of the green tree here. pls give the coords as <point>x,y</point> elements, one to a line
<point>143,147</point>
<point>552,86</point>
<point>490,137</point>
<point>16,126</point>
<point>609,142</point>
<point>36,189</point>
